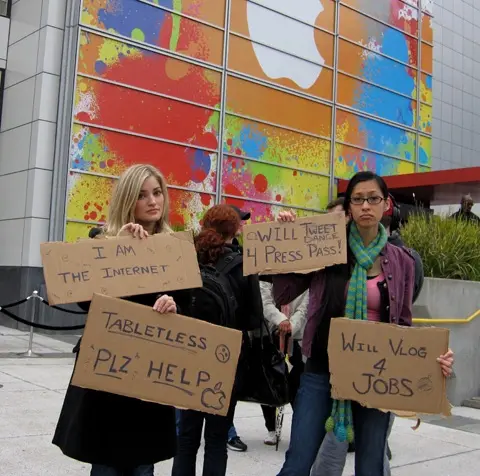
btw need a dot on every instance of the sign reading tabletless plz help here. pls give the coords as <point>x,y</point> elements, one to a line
<point>387,366</point>
<point>118,267</point>
<point>131,350</point>
<point>305,245</point>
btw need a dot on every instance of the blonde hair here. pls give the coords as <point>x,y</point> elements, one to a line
<point>125,196</point>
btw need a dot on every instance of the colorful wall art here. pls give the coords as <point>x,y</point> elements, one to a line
<point>252,102</point>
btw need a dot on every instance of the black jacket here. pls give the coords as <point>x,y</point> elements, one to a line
<point>102,428</point>
<point>395,239</point>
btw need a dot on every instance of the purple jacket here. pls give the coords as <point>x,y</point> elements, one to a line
<point>398,267</point>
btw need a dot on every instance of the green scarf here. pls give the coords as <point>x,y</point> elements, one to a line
<point>341,420</point>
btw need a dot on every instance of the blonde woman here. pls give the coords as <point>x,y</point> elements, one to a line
<point>122,436</point>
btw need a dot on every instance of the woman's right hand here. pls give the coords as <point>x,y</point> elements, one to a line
<point>133,229</point>
<point>286,217</point>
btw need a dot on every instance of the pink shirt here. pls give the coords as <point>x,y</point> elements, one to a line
<point>373,298</point>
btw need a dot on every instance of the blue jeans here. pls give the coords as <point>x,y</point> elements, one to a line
<point>313,405</point>
<point>101,470</point>
<point>232,433</point>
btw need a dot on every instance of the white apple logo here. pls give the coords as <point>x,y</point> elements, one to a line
<point>278,31</point>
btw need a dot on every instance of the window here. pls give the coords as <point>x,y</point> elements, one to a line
<point>5,6</point>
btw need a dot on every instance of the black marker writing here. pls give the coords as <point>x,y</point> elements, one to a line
<point>392,386</point>
<point>132,271</point>
<point>79,277</point>
<point>99,252</point>
<point>123,250</point>
<point>411,351</point>
<point>272,255</point>
<point>353,346</point>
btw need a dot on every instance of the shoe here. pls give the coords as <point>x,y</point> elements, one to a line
<point>351,447</point>
<point>236,444</point>
<point>271,439</point>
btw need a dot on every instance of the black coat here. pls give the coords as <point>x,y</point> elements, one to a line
<point>102,428</point>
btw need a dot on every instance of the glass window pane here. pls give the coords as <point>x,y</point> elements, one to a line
<point>377,36</point>
<point>155,27</point>
<point>110,153</point>
<point>118,107</point>
<point>277,107</point>
<point>115,60</point>
<point>255,180</point>
<point>375,135</point>
<point>350,160</point>
<point>393,12</point>
<point>377,69</point>
<point>212,11</point>
<point>275,145</point>
<point>376,101</point>
<point>271,65</point>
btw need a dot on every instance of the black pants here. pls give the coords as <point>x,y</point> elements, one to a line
<point>293,384</point>
<point>189,437</point>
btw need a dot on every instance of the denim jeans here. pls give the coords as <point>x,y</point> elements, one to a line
<point>190,435</point>
<point>332,455</point>
<point>101,470</point>
<point>312,408</point>
<point>232,433</point>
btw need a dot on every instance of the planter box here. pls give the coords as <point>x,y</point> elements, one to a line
<point>453,299</point>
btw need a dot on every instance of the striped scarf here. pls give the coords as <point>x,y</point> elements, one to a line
<point>341,420</point>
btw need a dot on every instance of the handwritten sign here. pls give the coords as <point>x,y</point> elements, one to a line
<point>387,366</point>
<point>119,267</point>
<point>131,350</point>
<point>307,244</point>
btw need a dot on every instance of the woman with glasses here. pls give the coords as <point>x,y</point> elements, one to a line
<point>385,274</point>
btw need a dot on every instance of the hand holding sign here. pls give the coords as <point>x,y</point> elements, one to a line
<point>295,245</point>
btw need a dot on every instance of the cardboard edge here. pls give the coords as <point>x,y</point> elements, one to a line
<point>445,408</point>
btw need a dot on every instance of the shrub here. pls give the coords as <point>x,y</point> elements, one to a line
<point>449,248</point>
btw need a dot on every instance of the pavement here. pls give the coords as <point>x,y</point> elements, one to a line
<point>31,395</point>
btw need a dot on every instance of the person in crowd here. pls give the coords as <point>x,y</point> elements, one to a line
<point>117,435</point>
<point>465,212</point>
<point>235,443</point>
<point>336,205</point>
<point>286,323</point>
<point>331,457</point>
<point>336,291</point>
<point>220,226</point>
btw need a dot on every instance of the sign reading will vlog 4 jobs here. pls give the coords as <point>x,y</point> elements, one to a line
<point>305,245</point>
<point>131,350</point>
<point>387,366</point>
<point>119,267</point>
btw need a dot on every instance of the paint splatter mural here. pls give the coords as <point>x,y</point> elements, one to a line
<point>245,109</point>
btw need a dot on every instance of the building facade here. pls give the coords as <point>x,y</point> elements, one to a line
<point>259,103</point>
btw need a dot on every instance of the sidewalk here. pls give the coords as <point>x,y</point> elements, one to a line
<point>32,393</point>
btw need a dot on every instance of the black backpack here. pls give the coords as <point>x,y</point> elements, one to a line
<point>215,301</point>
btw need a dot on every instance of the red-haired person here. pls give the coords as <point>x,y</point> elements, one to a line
<point>214,245</point>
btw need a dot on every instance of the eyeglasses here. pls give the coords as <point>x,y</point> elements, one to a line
<point>371,200</point>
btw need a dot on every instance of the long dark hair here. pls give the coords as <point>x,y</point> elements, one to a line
<point>337,277</point>
<point>220,224</point>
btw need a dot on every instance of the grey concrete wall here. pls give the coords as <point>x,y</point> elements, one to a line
<point>445,298</point>
<point>456,84</point>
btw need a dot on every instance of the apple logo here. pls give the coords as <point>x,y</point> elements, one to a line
<point>213,398</point>
<point>283,33</point>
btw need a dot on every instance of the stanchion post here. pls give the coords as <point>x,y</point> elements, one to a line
<point>36,298</point>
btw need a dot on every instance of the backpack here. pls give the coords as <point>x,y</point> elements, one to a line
<point>215,301</point>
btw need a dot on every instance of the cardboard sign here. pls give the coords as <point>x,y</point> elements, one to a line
<point>306,245</point>
<point>132,350</point>
<point>388,367</point>
<point>119,267</point>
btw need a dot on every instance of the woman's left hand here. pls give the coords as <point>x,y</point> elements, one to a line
<point>165,304</point>
<point>446,363</point>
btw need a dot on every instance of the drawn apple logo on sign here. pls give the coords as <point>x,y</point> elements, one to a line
<point>214,398</point>
<point>282,33</point>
